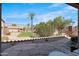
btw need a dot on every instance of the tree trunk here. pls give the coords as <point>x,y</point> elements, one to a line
<point>31,25</point>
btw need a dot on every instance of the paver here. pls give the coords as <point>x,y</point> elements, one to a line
<point>38,48</point>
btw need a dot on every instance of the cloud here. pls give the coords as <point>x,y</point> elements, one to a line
<point>66,7</point>
<point>31,3</point>
<point>70,8</point>
<point>16,15</point>
<point>28,3</point>
<point>66,12</point>
<point>48,16</point>
<point>55,5</point>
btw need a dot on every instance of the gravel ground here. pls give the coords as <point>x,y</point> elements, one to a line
<point>38,48</point>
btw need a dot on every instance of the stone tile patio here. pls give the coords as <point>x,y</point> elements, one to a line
<point>38,48</point>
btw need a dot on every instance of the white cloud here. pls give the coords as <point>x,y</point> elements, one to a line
<point>70,8</point>
<point>65,13</point>
<point>66,8</point>
<point>45,17</point>
<point>31,3</point>
<point>17,15</point>
<point>55,5</point>
<point>28,3</point>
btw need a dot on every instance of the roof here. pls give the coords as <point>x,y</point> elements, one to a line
<point>15,27</point>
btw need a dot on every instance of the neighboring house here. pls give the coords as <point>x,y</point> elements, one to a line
<point>18,28</point>
<point>15,29</point>
<point>2,27</point>
<point>6,29</point>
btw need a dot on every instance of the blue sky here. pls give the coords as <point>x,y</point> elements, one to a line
<point>17,13</point>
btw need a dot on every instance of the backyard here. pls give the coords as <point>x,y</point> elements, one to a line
<point>27,34</point>
<point>39,30</point>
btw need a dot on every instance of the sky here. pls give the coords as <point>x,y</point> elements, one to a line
<point>17,13</point>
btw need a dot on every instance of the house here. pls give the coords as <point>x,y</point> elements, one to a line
<point>15,29</point>
<point>2,27</point>
<point>18,28</point>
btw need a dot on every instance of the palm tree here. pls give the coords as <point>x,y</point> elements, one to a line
<point>31,16</point>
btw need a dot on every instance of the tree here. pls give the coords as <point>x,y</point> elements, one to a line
<point>14,25</point>
<point>60,23</point>
<point>57,23</point>
<point>47,29</point>
<point>50,27</point>
<point>31,16</point>
<point>28,25</point>
<point>42,29</point>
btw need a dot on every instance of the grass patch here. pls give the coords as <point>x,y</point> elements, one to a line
<point>4,38</point>
<point>28,34</point>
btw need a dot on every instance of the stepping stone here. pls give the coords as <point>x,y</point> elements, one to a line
<point>77,51</point>
<point>57,53</point>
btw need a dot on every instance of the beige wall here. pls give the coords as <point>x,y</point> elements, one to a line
<point>2,28</point>
<point>13,30</point>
